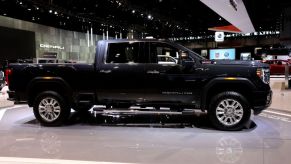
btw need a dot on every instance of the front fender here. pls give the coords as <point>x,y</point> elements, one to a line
<point>240,82</point>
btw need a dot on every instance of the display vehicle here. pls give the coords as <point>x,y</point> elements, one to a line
<point>277,67</point>
<point>128,72</point>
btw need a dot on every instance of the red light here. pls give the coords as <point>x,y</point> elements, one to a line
<point>8,72</point>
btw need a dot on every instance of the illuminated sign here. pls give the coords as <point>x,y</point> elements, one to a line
<point>219,36</point>
<point>51,46</point>
<point>223,54</point>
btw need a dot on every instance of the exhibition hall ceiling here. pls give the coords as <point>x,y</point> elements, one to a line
<point>158,18</point>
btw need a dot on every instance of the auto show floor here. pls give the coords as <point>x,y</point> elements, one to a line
<point>149,137</point>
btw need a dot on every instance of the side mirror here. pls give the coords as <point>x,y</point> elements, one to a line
<point>183,55</point>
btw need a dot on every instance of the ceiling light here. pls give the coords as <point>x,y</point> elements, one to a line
<point>56,13</point>
<point>150,17</point>
<point>133,11</point>
<point>50,11</point>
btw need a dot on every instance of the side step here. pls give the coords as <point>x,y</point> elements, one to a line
<point>139,111</point>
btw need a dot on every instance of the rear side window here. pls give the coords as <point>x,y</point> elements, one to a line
<point>123,53</point>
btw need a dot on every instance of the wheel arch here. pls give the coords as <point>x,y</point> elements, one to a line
<point>41,84</point>
<point>241,85</point>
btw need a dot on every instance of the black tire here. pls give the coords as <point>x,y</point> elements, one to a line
<point>219,109</point>
<point>63,109</point>
<point>83,108</point>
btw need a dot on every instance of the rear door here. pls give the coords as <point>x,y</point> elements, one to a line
<point>120,74</point>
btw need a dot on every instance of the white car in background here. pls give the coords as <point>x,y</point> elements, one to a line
<point>166,59</point>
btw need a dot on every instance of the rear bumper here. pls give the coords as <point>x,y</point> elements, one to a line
<point>261,100</point>
<point>12,96</point>
<point>15,98</point>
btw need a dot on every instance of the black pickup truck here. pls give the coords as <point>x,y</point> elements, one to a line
<point>146,73</point>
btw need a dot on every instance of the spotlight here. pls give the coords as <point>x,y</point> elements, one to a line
<point>50,11</point>
<point>133,11</point>
<point>150,17</point>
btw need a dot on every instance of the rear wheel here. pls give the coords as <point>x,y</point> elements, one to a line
<point>229,111</point>
<point>50,109</point>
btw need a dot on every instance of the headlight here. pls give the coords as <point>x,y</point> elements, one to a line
<point>264,74</point>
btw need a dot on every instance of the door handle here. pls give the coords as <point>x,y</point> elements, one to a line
<point>105,71</point>
<point>153,72</point>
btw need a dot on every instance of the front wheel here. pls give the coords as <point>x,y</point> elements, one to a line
<point>50,109</point>
<point>229,111</point>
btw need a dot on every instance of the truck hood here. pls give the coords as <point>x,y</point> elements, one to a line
<point>238,63</point>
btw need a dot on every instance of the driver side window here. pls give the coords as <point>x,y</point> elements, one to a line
<point>165,54</point>
<point>162,53</point>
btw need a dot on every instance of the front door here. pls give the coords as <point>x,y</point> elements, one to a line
<point>168,80</point>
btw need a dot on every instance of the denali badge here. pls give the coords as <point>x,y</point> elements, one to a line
<point>177,93</point>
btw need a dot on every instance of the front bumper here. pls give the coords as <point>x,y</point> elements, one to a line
<point>261,100</point>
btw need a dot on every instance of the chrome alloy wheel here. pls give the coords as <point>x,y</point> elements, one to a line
<point>49,109</point>
<point>229,112</point>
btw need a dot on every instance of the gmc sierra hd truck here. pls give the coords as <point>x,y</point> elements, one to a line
<point>146,73</point>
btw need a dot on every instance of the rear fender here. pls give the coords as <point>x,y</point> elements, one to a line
<point>57,84</point>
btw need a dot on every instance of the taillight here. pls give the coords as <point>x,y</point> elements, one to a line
<point>8,72</point>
